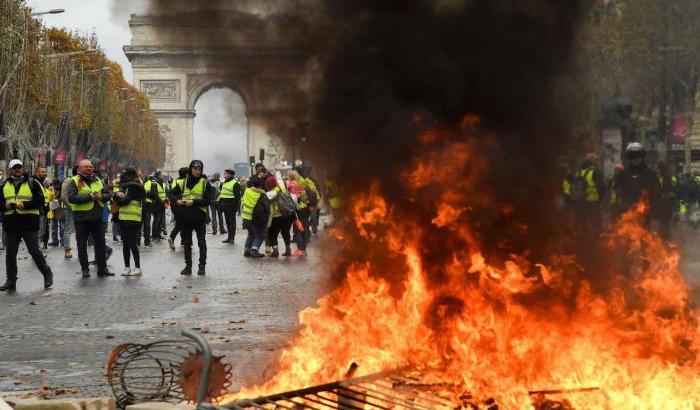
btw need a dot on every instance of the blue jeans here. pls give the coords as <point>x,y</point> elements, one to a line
<point>255,237</point>
<point>66,227</point>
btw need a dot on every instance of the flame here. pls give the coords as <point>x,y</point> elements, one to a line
<point>498,329</point>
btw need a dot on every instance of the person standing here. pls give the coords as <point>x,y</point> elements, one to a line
<point>637,182</point>
<point>54,191</point>
<point>148,207</point>
<point>255,209</point>
<point>68,224</point>
<point>88,196</point>
<point>40,177</point>
<point>182,173</point>
<point>192,195</point>
<point>129,201</point>
<point>21,197</point>
<point>217,217</point>
<point>298,188</point>
<point>229,201</point>
<point>588,191</point>
<point>158,199</point>
<point>281,223</point>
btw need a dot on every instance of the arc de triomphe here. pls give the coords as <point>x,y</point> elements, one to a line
<point>178,57</point>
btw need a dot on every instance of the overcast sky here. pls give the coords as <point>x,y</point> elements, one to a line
<point>220,129</point>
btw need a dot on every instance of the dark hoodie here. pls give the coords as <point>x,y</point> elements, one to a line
<point>192,215</point>
<point>634,183</point>
<point>16,222</point>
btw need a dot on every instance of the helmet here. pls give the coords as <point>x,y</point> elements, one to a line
<point>635,150</point>
<point>196,163</point>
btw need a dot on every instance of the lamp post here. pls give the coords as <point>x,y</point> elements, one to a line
<point>52,11</point>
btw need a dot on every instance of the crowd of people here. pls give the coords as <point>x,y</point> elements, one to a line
<point>589,199</point>
<point>270,205</point>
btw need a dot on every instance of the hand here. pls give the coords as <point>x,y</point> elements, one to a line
<point>120,194</point>
<point>189,202</point>
<point>179,201</point>
<point>20,205</point>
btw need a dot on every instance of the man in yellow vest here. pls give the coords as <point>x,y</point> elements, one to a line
<point>155,206</point>
<point>588,207</point>
<point>88,196</point>
<point>192,197</point>
<point>182,174</point>
<point>230,201</point>
<point>20,199</point>
<point>255,210</point>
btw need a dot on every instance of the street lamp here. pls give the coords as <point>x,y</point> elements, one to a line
<point>92,50</point>
<point>52,11</point>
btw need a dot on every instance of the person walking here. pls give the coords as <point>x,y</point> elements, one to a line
<point>229,202</point>
<point>129,201</point>
<point>88,196</point>
<point>67,223</point>
<point>21,197</point>
<point>156,193</point>
<point>255,209</point>
<point>148,207</point>
<point>40,177</point>
<point>192,195</point>
<point>182,173</point>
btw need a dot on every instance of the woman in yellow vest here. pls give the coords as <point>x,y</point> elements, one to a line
<point>129,200</point>
<point>255,209</point>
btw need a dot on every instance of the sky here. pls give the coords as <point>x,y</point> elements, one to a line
<point>220,126</point>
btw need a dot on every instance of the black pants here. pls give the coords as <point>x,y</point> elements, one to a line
<point>130,243</point>
<point>280,225</point>
<point>12,245</point>
<point>157,212</point>
<point>84,229</point>
<point>176,230</point>
<point>301,238</point>
<point>186,233</point>
<point>229,209</point>
<point>146,212</point>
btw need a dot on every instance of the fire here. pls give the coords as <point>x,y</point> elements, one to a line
<point>503,329</point>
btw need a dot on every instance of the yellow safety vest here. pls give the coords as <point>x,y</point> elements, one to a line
<point>668,194</point>
<point>592,194</point>
<point>250,199</point>
<point>147,188</point>
<point>131,211</point>
<point>566,187</point>
<point>161,191</point>
<point>197,192</point>
<point>96,188</point>
<point>227,189</point>
<point>12,197</point>
<point>43,191</point>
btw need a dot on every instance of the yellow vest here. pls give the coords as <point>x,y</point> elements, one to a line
<point>12,197</point>
<point>592,194</point>
<point>197,192</point>
<point>566,187</point>
<point>131,211</point>
<point>96,187</point>
<point>227,189</point>
<point>147,187</point>
<point>161,191</point>
<point>250,199</point>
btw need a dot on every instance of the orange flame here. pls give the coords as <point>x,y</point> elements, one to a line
<point>500,330</point>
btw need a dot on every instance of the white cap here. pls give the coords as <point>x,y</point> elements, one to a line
<point>15,162</point>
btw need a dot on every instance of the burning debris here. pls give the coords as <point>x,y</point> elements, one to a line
<point>445,130</point>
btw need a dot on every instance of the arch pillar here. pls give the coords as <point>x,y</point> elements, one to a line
<point>177,127</point>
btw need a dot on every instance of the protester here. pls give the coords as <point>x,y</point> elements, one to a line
<point>67,223</point>
<point>129,200</point>
<point>229,202</point>
<point>217,216</point>
<point>87,196</point>
<point>21,199</point>
<point>174,209</point>
<point>282,210</point>
<point>255,209</point>
<point>298,188</point>
<point>192,198</point>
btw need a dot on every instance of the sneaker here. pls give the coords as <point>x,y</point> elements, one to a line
<point>8,287</point>
<point>171,244</point>
<point>86,273</point>
<point>186,271</point>
<point>67,254</point>
<point>136,272</point>
<point>127,272</point>
<point>201,271</point>
<point>48,280</point>
<point>299,252</point>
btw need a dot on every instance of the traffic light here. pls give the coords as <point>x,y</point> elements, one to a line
<point>252,160</point>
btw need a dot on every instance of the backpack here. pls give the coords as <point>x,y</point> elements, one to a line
<point>261,211</point>
<point>579,186</point>
<point>286,204</point>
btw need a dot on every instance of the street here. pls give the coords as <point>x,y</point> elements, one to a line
<point>246,308</point>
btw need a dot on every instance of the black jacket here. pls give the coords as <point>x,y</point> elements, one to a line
<point>635,183</point>
<point>75,198</point>
<point>16,222</point>
<point>134,192</point>
<point>192,215</point>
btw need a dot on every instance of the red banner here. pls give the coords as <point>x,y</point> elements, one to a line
<point>59,156</point>
<point>79,157</point>
<point>679,129</point>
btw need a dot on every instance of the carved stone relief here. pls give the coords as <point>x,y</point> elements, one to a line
<point>161,89</point>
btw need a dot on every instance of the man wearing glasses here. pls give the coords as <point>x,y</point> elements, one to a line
<point>21,197</point>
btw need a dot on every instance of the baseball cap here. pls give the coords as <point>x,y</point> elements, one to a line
<point>15,162</point>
